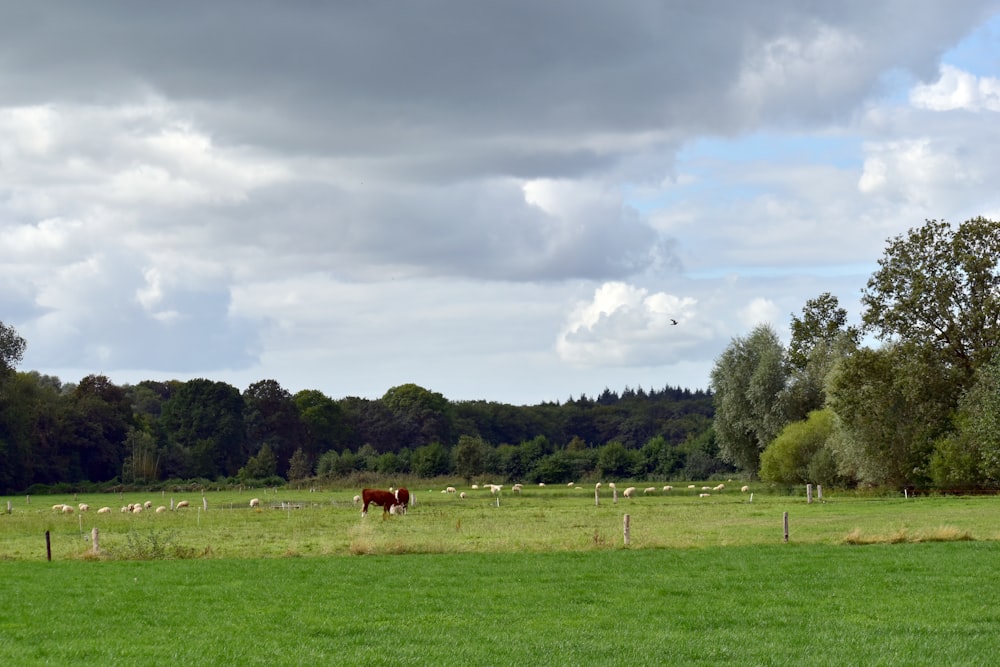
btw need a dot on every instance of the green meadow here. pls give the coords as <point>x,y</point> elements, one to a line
<point>541,577</point>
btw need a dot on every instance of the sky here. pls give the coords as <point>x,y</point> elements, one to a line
<point>496,201</point>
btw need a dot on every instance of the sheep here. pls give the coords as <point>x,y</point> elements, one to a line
<point>104,510</point>
<point>516,488</point>
<point>450,489</point>
<point>148,505</point>
<point>137,509</point>
<point>161,509</point>
<point>704,495</point>
<point>255,502</point>
<point>571,484</point>
<point>67,509</point>
<point>597,486</point>
<point>744,489</point>
<point>181,504</point>
<point>495,488</point>
<point>649,489</point>
<point>357,499</point>
<point>475,487</point>
<point>720,487</point>
<point>611,485</point>
<point>84,507</point>
<point>668,488</point>
<point>462,495</point>
<point>690,486</point>
<point>629,492</point>
<point>541,484</point>
<point>57,507</point>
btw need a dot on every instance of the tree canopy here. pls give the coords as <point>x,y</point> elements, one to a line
<point>939,287</point>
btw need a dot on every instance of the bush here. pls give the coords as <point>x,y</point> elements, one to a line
<point>787,459</point>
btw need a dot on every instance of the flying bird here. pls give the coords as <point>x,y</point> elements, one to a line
<point>673,321</point>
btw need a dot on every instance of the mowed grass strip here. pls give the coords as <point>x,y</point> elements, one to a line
<point>924,604</point>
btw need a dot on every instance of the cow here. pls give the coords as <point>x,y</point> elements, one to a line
<point>384,499</point>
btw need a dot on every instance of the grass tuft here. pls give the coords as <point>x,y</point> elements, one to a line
<point>903,536</point>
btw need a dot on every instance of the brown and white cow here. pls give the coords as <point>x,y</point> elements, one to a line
<point>389,501</point>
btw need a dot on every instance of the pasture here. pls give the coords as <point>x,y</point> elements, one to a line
<point>542,578</point>
<point>328,523</point>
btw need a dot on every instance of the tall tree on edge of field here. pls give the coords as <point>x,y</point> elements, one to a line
<point>940,287</point>
<point>748,381</point>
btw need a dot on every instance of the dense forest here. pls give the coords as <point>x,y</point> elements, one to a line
<point>97,433</point>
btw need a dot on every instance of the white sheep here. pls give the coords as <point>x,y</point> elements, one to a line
<point>357,500</point>
<point>744,489</point>
<point>541,484</point>
<point>720,487</point>
<point>161,509</point>
<point>495,488</point>
<point>690,486</point>
<point>104,510</point>
<point>450,489</point>
<point>181,504</point>
<point>571,484</point>
<point>597,486</point>
<point>516,488</point>
<point>668,488</point>
<point>137,509</point>
<point>704,495</point>
<point>649,489</point>
<point>148,505</point>
<point>57,507</point>
<point>475,487</point>
<point>629,492</point>
<point>84,507</point>
<point>611,485</point>
<point>255,502</point>
<point>67,509</point>
<point>462,495</point>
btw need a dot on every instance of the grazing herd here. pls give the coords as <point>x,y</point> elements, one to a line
<point>396,501</point>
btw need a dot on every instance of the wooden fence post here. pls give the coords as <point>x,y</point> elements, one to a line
<point>48,546</point>
<point>9,508</point>
<point>819,492</point>
<point>809,493</point>
<point>628,527</point>
<point>597,496</point>
<point>785,522</point>
<point>94,539</point>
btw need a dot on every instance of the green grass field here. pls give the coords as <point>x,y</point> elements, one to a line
<point>542,579</point>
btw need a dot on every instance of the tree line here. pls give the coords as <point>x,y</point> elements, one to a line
<point>919,406</point>
<point>95,432</point>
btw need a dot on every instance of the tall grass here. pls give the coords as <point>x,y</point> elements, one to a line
<point>538,520</point>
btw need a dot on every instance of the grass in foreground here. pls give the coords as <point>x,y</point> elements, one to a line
<point>920,604</point>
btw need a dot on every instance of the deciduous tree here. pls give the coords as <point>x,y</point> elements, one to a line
<point>939,287</point>
<point>892,404</point>
<point>748,380</point>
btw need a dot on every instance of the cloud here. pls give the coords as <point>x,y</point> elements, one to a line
<point>356,193</point>
<point>956,89</point>
<point>626,325</point>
